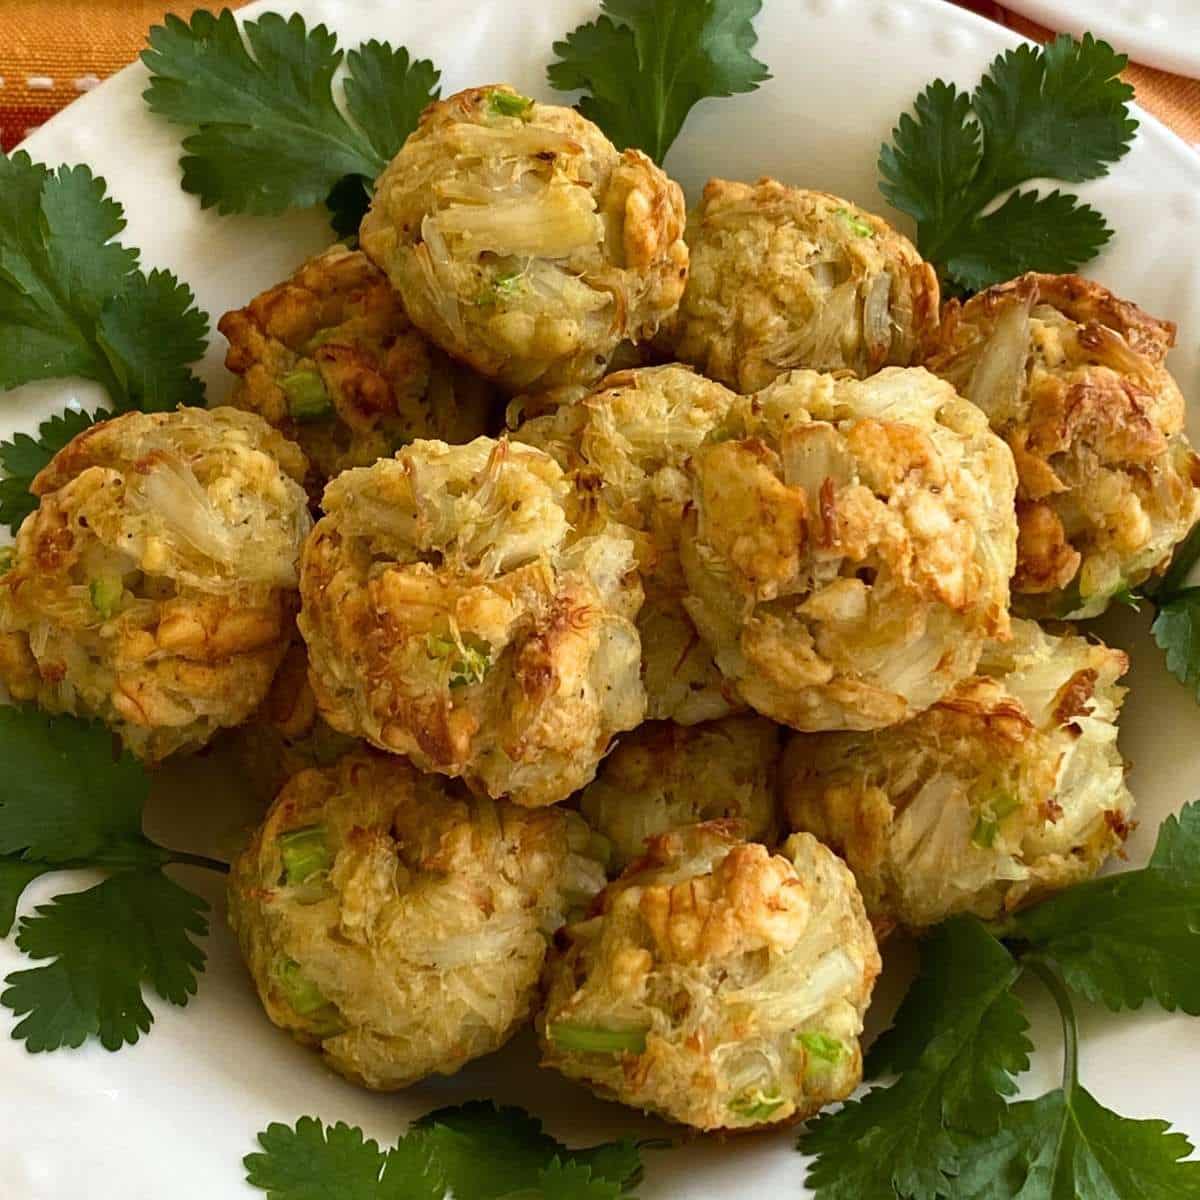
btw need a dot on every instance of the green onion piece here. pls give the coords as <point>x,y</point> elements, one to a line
<point>106,594</point>
<point>984,833</point>
<point>307,1000</point>
<point>501,287</point>
<point>822,1046</point>
<point>306,396</point>
<point>509,104</point>
<point>858,226</point>
<point>321,338</point>
<point>591,1039</point>
<point>755,1106</point>
<point>469,660</point>
<point>304,852</point>
<point>994,809</point>
<point>8,555</point>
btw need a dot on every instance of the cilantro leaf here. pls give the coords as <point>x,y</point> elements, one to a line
<point>23,457</point>
<point>67,796</point>
<point>105,942</point>
<point>476,1150</point>
<point>1176,629</point>
<point>961,997</point>
<point>1059,1146</point>
<point>149,332</point>
<point>15,876</point>
<point>1059,111</point>
<point>1122,938</point>
<point>72,301</point>
<point>645,64</point>
<point>957,1039</point>
<point>269,134</point>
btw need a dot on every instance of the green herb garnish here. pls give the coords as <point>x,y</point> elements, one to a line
<point>946,1127</point>
<point>476,1151</point>
<point>70,802</point>
<point>270,135</point>
<point>645,64</point>
<point>1057,112</point>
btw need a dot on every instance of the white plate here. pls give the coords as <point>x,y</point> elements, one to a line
<point>175,1114</point>
<point>1159,33</point>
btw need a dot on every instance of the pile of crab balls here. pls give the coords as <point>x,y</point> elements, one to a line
<point>621,649</point>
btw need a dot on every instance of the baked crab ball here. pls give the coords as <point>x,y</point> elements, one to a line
<point>453,615</point>
<point>715,984</point>
<point>1008,789</point>
<point>848,546</point>
<point>664,776</point>
<point>155,585</point>
<point>625,449</point>
<point>1073,379</point>
<point>522,242</point>
<point>782,278</point>
<point>399,924</point>
<point>330,359</point>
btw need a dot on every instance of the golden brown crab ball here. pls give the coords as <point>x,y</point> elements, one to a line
<point>664,776</point>
<point>715,984</point>
<point>1073,379</point>
<point>1009,788</point>
<point>522,242</point>
<point>782,278</point>
<point>453,615</point>
<point>155,585</point>
<point>330,358</point>
<point>625,449</point>
<point>399,924</point>
<point>849,546</point>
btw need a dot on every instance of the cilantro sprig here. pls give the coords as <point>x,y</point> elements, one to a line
<point>1057,112</point>
<point>69,802</point>
<point>945,1128</point>
<point>74,302</point>
<point>1176,626</point>
<point>645,64</point>
<point>22,457</point>
<point>476,1150</point>
<point>269,132</point>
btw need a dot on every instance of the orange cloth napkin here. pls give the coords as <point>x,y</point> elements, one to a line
<point>1173,99</point>
<point>52,50</point>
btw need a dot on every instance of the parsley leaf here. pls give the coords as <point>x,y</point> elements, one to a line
<point>475,1150</point>
<point>15,876</point>
<point>270,135</point>
<point>72,301</point>
<point>1176,629</point>
<point>1122,938</point>
<point>23,457</point>
<point>1058,111</point>
<point>1059,1146</point>
<point>106,942</point>
<point>958,1038</point>
<point>645,64</point>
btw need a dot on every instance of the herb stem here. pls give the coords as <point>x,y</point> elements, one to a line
<point>198,860</point>
<point>1054,985</point>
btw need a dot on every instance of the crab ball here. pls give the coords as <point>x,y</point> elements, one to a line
<point>848,546</point>
<point>1073,379</point>
<point>453,615</point>
<point>625,449</point>
<point>155,585</point>
<point>782,278</point>
<point>664,776</point>
<point>399,924</point>
<point>1008,789</point>
<point>523,243</point>
<point>716,984</point>
<point>330,359</point>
